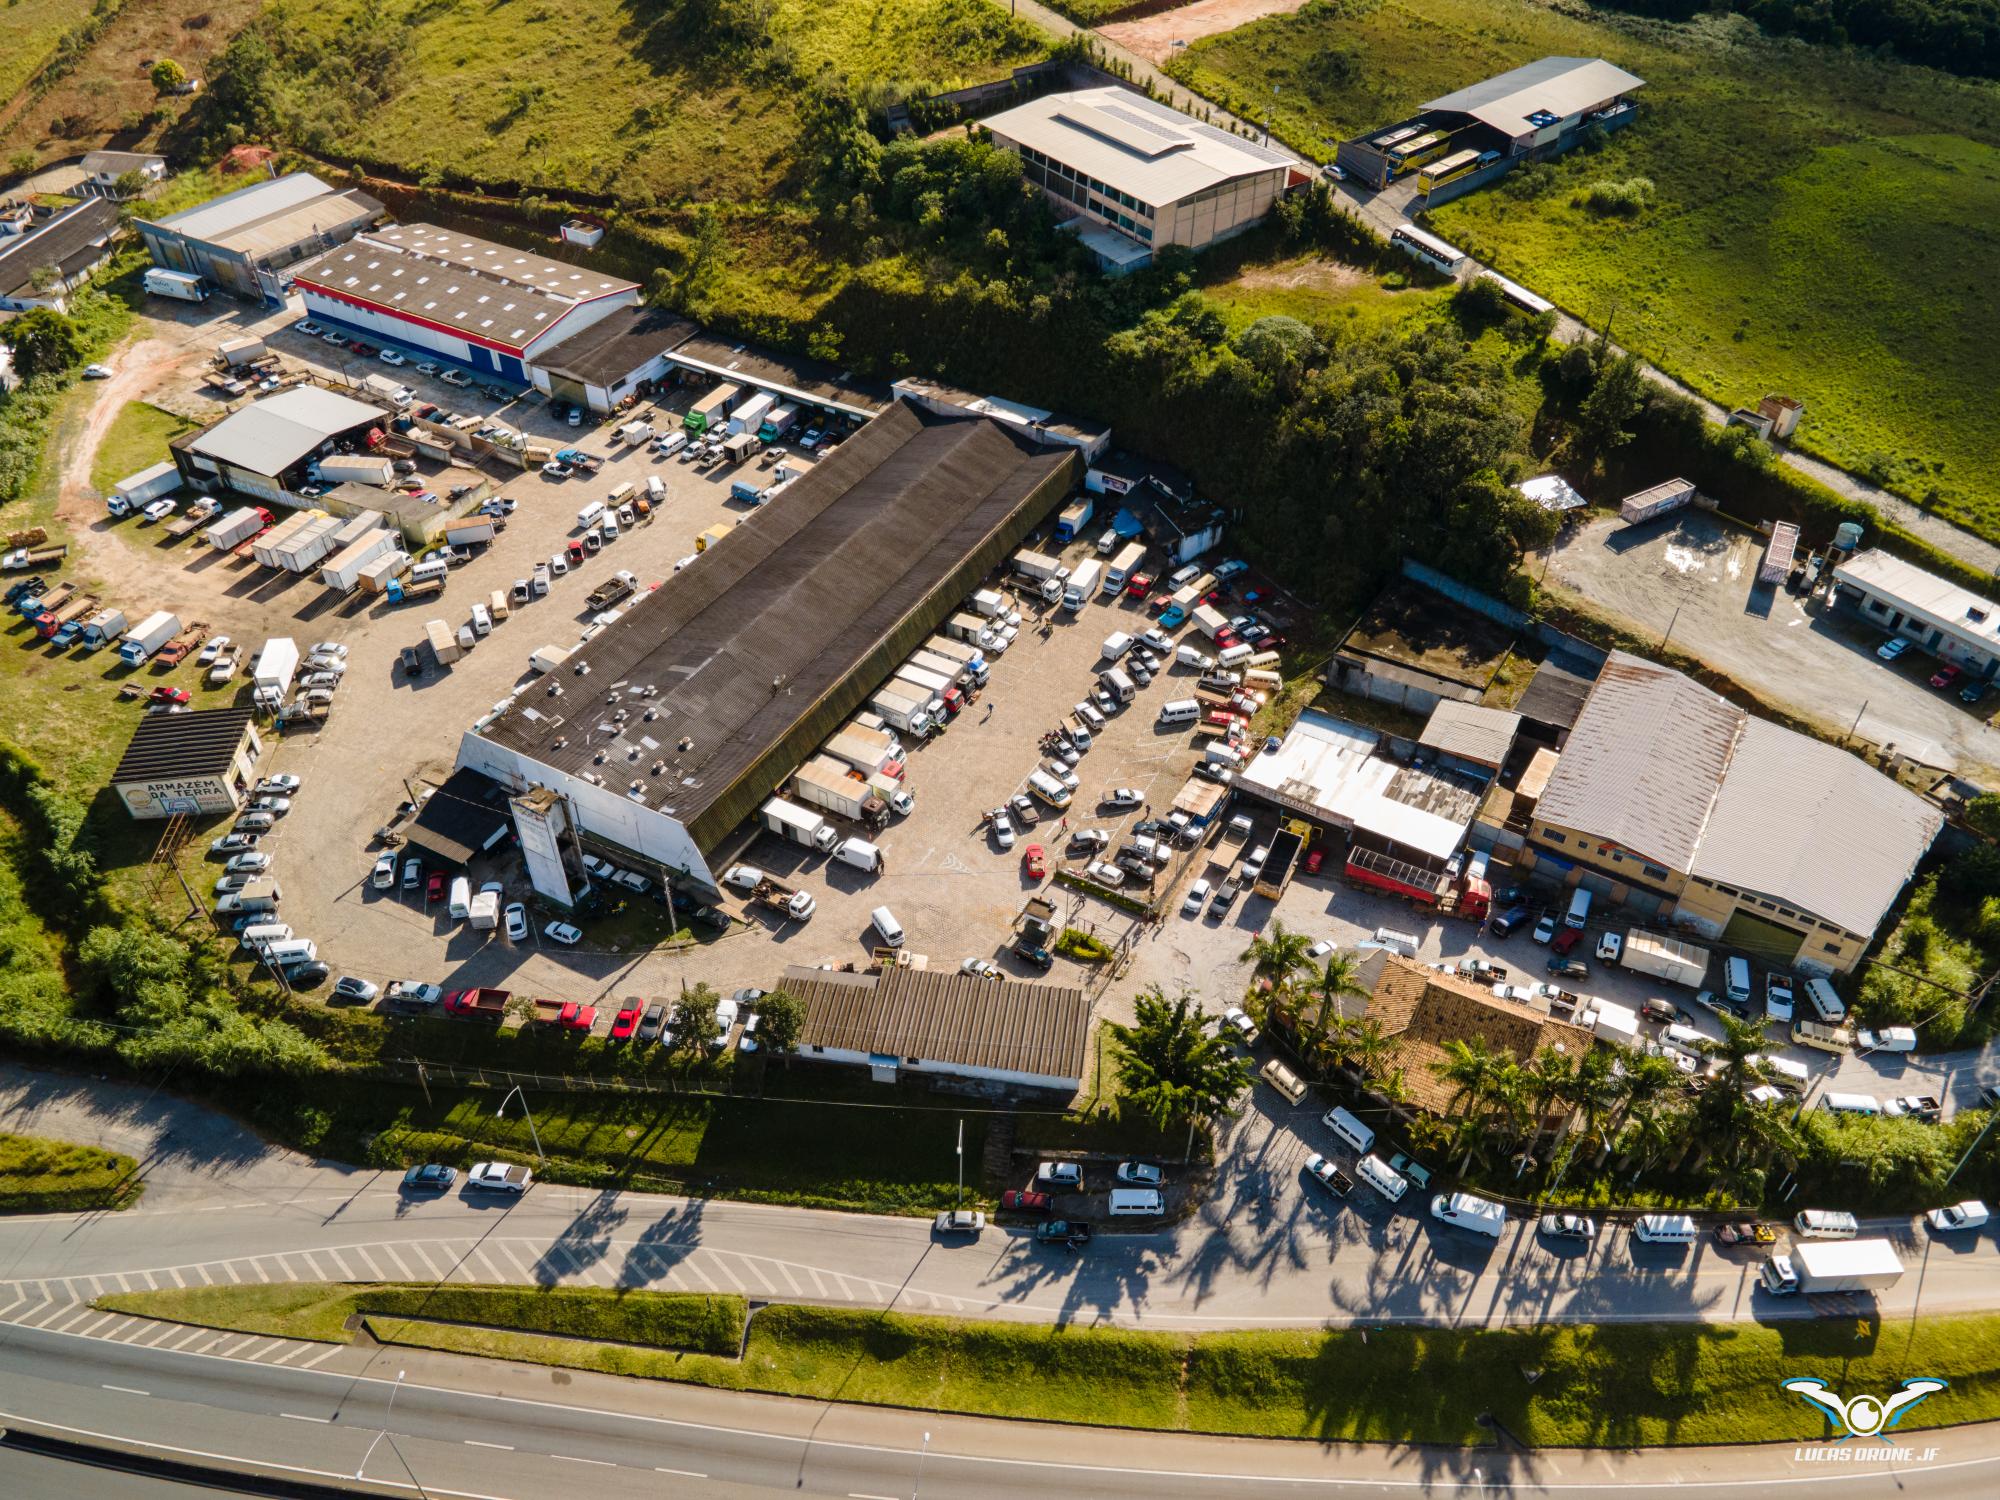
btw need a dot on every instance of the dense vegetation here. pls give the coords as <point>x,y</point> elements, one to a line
<point>55,1177</point>
<point>1779,218</point>
<point>1959,36</point>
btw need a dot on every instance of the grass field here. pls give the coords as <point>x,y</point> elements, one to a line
<point>602,96</point>
<point>136,439</point>
<point>29,31</point>
<point>40,1176</point>
<point>1818,224</point>
<point>1591,1386</point>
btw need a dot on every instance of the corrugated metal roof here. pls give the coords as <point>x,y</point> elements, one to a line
<point>1555,696</point>
<point>1644,761</point>
<point>168,746</point>
<point>86,227</point>
<point>1133,143</point>
<point>734,651</point>
<point>795,376</point>
<point>1560,86</point>
<point>946,1017</point>
<point>1815,828</point>
<point>1971,617</point>
<point>324,219</point>
<point>246,205</point>
<point>615,346</point>
<point>269,436</point>
<point>1471,731</point>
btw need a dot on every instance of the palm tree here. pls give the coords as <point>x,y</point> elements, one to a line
<point>1279,956</point>
<point>1337,980</point>
<point>1738,1052</point>
<point>1468,1068</point>
<point>1173,1064</point>
<point>1595,1092</point>
<point>1549,1076</point>
<point>1393,1089</point>
<point>1367,1048</point>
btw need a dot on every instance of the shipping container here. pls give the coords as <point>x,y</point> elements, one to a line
<point>344,571</point>
<point>444,644</point>
<point>1662,499</point>
<point>237,527</point>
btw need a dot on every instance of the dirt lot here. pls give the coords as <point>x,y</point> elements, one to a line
<point>1157,37</point>
<point>1696,577</point>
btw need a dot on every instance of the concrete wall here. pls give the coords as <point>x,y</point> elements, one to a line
<point>1579,656</point>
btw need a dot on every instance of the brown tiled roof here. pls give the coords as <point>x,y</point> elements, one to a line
<point>944,1016</point>
<point>1422,1010</point>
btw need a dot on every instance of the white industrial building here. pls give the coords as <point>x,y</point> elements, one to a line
<point>263,448</point>
<point>1151,174</point>
<point>243,241</point>
<point>1947,620</point>
<point>482,306</point>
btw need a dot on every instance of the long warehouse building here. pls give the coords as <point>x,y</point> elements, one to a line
<point>674,724</point>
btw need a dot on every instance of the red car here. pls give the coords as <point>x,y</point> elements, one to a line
<point>1026,1202</point>
<point>1567,939</point>
<point>170,695</point>
<point>576,1017</point>
<point>434,887</point>
<point>626,1023</point>
<point>1314,860</point>
<point>1035,861</point>
<point>1944,677</point>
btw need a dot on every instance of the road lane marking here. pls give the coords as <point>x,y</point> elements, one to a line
<point>429,1264</point>
<point>175,1273</point>
<point>318,1359</point>
<point>819,1284</point>
<point>159,1335</point>
<point>291,1354</point>
<point>235,1276</point>
<point>126,1390</point>
<point>274,1343</point>
<point>236,1349</point>
<point>570,1459</point>
<point>263,1276</point>
<point>17,1302</point>
<point>684,1473</point>
<point>475,1443</point>
<point>694,1270</point>
<point>77,1315</point>
<point>402,1271</point>
<point>790,1280</point>
<point>317,1273</point>
<point>296,1417</point>
<point>123,1284</point>
<point>864,1495</point>
<point>192,1335</point>
<point>521,1270</point>
<point>91,1331</point>
<point>339,1264</point>
<point>374,1271</point>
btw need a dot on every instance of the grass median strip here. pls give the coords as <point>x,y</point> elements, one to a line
<point>1582,1386</point>
<point>39,1176</point>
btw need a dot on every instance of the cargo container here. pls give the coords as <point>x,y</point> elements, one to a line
<point>237,527</point>
<point>1039,566</point>
<point>135,491</point>
<point>1083,584</point>
<point>102,628</point>
<point>969,657</point>
<point>739,447</point>
<point>867,750</point>
<point>344,571</point>
<point>259,895</point>
<point>148,636</point>
<point>1825,1266</point>
<point>375,577</point>
<point>833,786</point>
<point>798,825</point>
<point>948,667</point>
<point>1210,621</point>
<point>1123,566</point>
<point>1665,958</point>
<point>303,550</point>
<point>777,423</point>
<point>989,603</point>
<point>240,351</point>
<point>444,644</point>
<point>711,409</point>
<point>921,680</point>
<point>470,533</point>
<point>484,913</point>
<point>1662,499</point>
<point>905,710</point>
<point>748,417</point>
<point>965,627</point>
<point>176,284</point>
<point>711,536</point>
<point>1075,516</point>
<point>382,388</point>
<point>356,468</point>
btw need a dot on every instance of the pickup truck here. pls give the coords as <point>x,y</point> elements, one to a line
<point>477,1005</point>
<point>192,518</point>
<point>1075,1233</point>
<point>614,588</point>
<point>798,906</point>
<point>175,651</point>
<point>565,1015</point>
<point>412,994</point>
<point>1924,1107</point>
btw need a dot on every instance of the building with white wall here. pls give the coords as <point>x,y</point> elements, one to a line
<point>484,307</point>
<point>1946,619</point>
<point>197,763</point>
<point>264,448</point>
<point>1131,164</point>
<point>244,241</point>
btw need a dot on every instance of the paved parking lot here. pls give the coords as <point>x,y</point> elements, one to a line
<point>1695,577</point>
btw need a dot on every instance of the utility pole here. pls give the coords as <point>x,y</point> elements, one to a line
<point>534,1135</point>
<point>959,1202</point>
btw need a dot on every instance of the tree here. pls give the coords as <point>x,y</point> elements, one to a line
<point>695,1026</point>
<point>1603,422</point>
<point>44,342</point>
<point>1172,1064</point>
<point>706,255</point>
<point>835,145</point>
<point>1279,956</point>
<point>1982,815</point>
<point>780,1017</point>
<point>132,184</point>
<point>167,76</point>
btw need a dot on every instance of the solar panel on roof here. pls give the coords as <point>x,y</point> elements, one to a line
<point>1153,127</point>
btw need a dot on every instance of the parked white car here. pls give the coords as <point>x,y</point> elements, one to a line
<point>564,933</point>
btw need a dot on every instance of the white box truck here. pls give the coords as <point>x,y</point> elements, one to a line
<point>948,667</point>
<point>444,644</point>
<point>148,636</point>
<point>933,683</point>
<point>274,668</point>
<point>176,284</point>
<point>867,750</point>
<point>1665,958</point>
<point>237,527</point>
<point>548,658</point>
<point>904,710</point>
<point>356,468</point>
<point>1824,1266</point>
<point>1082,585</point>
<point>469,533</point>
<point>748,417</point>
<point>240,351</point>
<point>1039,566</point>
<point>1123,566</point>
<point>135,491</point>
<point>797,824</point>
<point>833,786</point>
<point>484,912</point>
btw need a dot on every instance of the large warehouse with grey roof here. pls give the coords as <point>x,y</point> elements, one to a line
<point>675,723</point>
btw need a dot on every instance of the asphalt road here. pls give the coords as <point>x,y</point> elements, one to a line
<point>529,1434</point>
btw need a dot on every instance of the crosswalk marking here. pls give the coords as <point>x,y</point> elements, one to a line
<point>291,1354</point>
<point>235,1277</point>
<point>318,1359</point>
<point>171,1271</point>
<point>429,1264</point>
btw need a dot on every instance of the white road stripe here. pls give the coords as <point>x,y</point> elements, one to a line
<point>599,1462</point>
<point>846,1286</point>
<point>160,1335</point>
<point>490,1271</point>
<point>259,1354</point>
<point>687,1473</point>
<point>123,1284</point>
<point>126,1390</point>
<point>819,1283</point>
<point>192,1335</point>
<point>234,1350</point>
<point>339,1265</point>
<point>317,1273</point>
<point>235,1276</point>
<point>368,1264</point>
<point>17,1302</point>
<point>202,1272</point>
<point>429,1264</point>
<point>522,1272</point>
<point>319,1359</point>
<point>77,1315</point>
<point>171,1271</point>
<point>291,1354</point>
<point>688,1264</point>
<point>790,1280</point>
<point>475,1443</point>
<point>402,1271</point>
<point>294,1416</point>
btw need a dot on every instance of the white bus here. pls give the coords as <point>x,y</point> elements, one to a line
<point>1429,249</point>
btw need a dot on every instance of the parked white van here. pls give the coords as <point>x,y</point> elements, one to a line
<point>1180,711</point>
<point>859,853</point>
<point>1403,943</point>
<point>423,572</point>
<point>1356,1136</point>
<point>1736,980</point>
<point>1470,1211</point>
<point>1115,645</point>
<point>670,444</point>
<point>885,923</point>
<point>1051,791</point>
<point>290,951</point>
<point>1825,1001</point>
<point>590,515</point>
<point>1235,654</point>
<point>1379,1175</point>
<point>482,620</point>
<point>1826,1224</point>
<point>1284,1080</point>
<point>1789,1074</point>
<point>1136,1203</point>
<point>621,493</point>
<point>1666,1229</point>
<point>656,488</point>
<point>461,896</point>
<point>263,934</point>
<point>1850,1104</point>
<point>1684,1037</point>
<point>1579,908</point>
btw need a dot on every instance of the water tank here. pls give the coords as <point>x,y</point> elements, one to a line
<point>1848,536</point>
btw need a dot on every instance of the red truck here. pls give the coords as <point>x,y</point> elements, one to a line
<point>476,1005</point>
<point>565,1015</point>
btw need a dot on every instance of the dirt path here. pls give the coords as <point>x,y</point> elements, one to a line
<point>1158,37</point>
